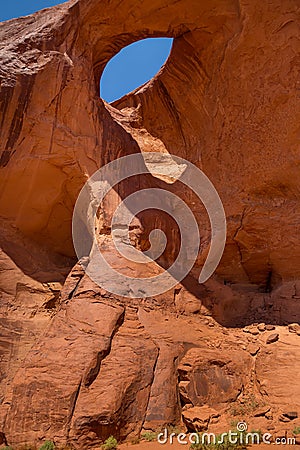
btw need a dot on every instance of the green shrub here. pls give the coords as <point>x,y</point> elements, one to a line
<point>48,445</point>
<point>8,447</point>
<point>110,444</point>
<point>149,436</point>
<point>173,429</point>
<point>296,430</point>
<point>249,405</point>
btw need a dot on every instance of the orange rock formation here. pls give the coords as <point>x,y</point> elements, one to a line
<point>78,364</point>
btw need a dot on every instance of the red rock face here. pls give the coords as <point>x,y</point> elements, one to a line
<point>77,363</point>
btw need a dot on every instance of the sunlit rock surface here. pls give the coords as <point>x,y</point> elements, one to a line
<point>78,364</point>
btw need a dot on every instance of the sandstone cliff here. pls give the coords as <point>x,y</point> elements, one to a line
<point>77,363</point>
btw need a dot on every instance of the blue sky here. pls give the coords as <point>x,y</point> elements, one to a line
<point>9,9</point>
<point>133,66</point>
<point>129,69</point>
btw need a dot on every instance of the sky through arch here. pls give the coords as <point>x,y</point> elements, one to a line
<point>133,66</point>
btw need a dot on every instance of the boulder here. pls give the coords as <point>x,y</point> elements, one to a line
<point>198,418</point>
<point>274,337</point>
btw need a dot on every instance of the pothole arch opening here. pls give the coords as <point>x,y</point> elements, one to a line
<point>133,66</point>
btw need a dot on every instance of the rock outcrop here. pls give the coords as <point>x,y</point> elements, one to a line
<point>79,364</point>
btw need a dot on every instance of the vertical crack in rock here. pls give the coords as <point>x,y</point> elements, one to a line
<point>73,280</point>
<point>94,370</point>
<point>235,238</point>
<point>5,98</point>
<point>26,85</point>
<point>72,409</point>
<point>115,403</point>
<point>65,70</point>
<point>163,406</point>
<point>151,383</point>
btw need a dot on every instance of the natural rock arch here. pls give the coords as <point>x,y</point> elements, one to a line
<point>228,100</point>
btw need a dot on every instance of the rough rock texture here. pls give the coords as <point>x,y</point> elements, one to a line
<point>78,364</point>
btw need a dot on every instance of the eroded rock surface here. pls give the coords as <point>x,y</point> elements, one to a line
<point>78,363</point>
